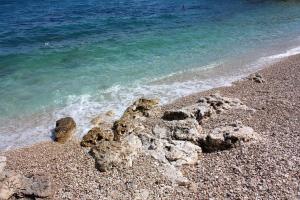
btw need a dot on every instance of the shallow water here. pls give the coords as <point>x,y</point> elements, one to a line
<point>81,58</point>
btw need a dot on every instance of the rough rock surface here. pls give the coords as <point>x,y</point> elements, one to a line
<point>32,186</point>
<point>227,137</point>
<point>126,124</point>
<point>95,135</point>
<point>64,129</point>
<point>110,154</point>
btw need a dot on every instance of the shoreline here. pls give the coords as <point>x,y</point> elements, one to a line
<point>262,170</point>
<point>40,134</point>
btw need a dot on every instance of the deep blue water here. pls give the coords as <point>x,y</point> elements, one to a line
<point>80,58</point>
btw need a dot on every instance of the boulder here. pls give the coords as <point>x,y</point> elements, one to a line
<point>188,130</point>
<point>126,124</point>
<point>30,186</point>
<point>227,137</point>
<point>37,186</point>
<point>176,153</point>
<point>64,129</point>
<point>110,154</point>
<point>10,183</point>
<point>95,135</point>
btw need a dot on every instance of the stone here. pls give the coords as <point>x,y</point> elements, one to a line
<point>95,135</point>
<point>216,104</point>
<point>126,124</point>
<point>110,154</point>
<point>174,175</point>
<point>227,137</point>
<point>36,185</point>
<point>30,186</point>
<point>10,183</point>
<point>182,153</point>
<point>2,163</point>
<point>188,130</point>
<point>257,78</point>
<point>64,129</point>
<point>173,152</point>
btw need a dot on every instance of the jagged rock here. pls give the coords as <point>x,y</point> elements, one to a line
<point>188,130</point>
<point>173,152</point>
<point>37,186</point>
<point>257,78</point>
<point>109,154</point>
<point>216,104</point>
<point>64,130</point>
<point>227,137</point>
<point>2,163</point>
<point>126,124</point>
<point>19,186</point>
<point>205,108</point>
<point>95,135</point>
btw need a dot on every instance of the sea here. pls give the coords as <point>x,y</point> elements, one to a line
<point>82,58</point>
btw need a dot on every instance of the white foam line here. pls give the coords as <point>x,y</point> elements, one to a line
<point>117,98</point>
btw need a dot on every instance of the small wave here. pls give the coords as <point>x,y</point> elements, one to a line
<point>29,130</point>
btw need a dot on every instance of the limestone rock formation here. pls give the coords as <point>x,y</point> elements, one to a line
<point>188,130</point>
<point>95,135</point>
<point>109,154</point>
<point>227,137</point>
<point>28,187</point>
<point>64,129</point>
<point>126,124</point>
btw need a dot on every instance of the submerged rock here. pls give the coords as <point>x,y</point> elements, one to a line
<point>227,137</point>
<point>64,129</point>
<point>95,135</point>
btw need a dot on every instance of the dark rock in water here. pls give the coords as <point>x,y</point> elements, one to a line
<point>95,135</point>
<point>140,108</point>
<point>64,129</point>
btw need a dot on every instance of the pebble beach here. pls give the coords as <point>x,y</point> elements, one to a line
<point>267,168</point>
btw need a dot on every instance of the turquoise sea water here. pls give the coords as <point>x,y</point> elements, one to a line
<point>82,58</point>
